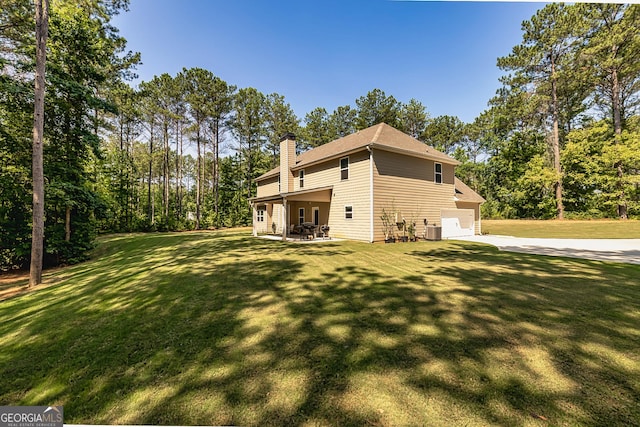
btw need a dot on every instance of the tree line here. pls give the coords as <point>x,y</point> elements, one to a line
<point>559,139</point>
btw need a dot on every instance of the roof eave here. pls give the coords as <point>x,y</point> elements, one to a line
<point>267,175</point>
<point>425,155</point>
<point>335,156</point>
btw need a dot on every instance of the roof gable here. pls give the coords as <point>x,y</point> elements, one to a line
<point>464,193</point>
<point>380,136</point>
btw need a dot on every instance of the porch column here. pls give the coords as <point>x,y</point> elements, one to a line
<point>285,226</point>
<point>253,222</point>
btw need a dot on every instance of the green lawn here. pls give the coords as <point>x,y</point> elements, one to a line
<point>221,328</point>
<point>574,229</point>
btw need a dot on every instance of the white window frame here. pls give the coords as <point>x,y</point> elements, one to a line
<point>260,215</point>
<point>348,211</point>
<point>437,174</point>
<point>301,215</point>
<point>301,178</point>
<point>342,169</point>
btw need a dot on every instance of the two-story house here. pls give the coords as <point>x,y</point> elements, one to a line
<point>347,183</point>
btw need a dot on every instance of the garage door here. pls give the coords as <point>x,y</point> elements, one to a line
<point>457,222</point>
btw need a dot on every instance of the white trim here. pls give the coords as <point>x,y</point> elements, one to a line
<point>254,230</point>
<point>371,213</point>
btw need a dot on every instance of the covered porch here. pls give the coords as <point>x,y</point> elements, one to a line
<point>284,214</point>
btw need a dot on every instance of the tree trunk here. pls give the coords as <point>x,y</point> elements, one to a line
<point>198,166</point>
<point>556,143</point>
<point>37,237</point>
<point>165,166</point>
<point>617,128</point>
<point>67,224</point>
<point>150,207</point>
<point>216,178</point>
<point>178,211</point>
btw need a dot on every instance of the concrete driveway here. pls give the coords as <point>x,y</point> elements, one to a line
<point>616,250</point>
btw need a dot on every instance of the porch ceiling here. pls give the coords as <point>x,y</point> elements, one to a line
<point>322,194</point>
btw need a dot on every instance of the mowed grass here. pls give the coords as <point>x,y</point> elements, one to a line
<point>566,229</point>
<point>221,328</point>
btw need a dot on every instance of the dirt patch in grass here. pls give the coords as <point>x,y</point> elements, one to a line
<point>13,283</point>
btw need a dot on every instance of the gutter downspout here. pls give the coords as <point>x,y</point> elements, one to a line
<point>371,210</point>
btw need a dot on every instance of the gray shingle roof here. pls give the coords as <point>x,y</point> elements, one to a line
<point>465,194</point>
<point>381,136</point>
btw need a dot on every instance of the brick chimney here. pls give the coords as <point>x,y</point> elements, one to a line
<point>287,161</point>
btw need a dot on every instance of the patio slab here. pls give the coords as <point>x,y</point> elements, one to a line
<point>298,240</point>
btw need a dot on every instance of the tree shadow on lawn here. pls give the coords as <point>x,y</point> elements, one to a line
<point>230,331</point>
<point>583,315</point>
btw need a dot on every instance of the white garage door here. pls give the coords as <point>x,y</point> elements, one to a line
<point>457,222</point>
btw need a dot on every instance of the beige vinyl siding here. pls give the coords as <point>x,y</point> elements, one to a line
<point>273,214</point>
<point>294,208</point>
<point>405,186</point>
<point>476,209</point>
<point>268,187</point>
<point>351,192</point>
<point>276,216</point>
<point>354,192</point>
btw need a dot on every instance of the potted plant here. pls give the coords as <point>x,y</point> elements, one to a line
<point>411,229</point>
<point>402,226</point>
<point>387,227</point>
<point>273,227</point>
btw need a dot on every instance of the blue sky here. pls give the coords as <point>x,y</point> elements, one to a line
<point>327,53</point>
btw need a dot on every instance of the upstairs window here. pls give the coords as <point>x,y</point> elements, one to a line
<point>438,173</point>
<point>344,168</point>
<point>301,176</point>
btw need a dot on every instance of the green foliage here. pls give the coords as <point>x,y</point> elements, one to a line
<point>376,107</point>
<point>413,118</point>
<point>590,158</point>
<point>444,133</point>
<point>85,57</point>
<point>504,186</point>
<point>316,129</point>
<point>342,122</point>
<point>534,190</point>
<point>120,159</point>
<point>280,119</point>
<point>574,62</point>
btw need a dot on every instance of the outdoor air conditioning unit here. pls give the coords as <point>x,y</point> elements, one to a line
<point>434,232</point>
